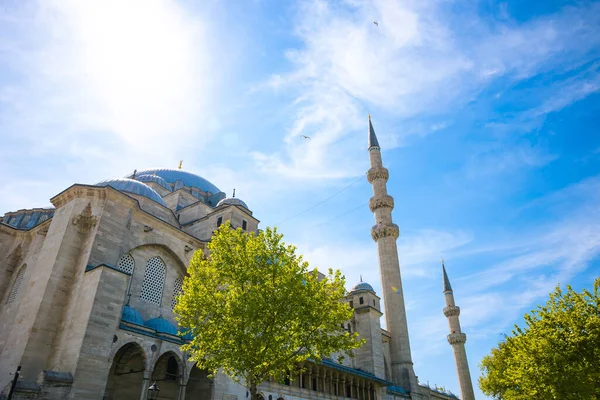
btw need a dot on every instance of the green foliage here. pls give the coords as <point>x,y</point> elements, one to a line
<point>556,355</point>
<point>256,310</point>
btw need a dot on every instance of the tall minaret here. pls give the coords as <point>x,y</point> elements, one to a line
<point>457,339</point>
<point>385,233</point>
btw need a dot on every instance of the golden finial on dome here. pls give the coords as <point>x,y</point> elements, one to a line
<point>180,164</point>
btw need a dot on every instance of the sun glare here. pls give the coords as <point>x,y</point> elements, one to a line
<point>138,62</point>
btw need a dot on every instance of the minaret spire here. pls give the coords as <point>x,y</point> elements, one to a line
<point>372,137</point>
<point>457,340</point>
<point>385,233</point>
<point>447,286</point>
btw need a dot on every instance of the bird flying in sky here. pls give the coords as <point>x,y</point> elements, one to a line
<point>375,23</point>
<point>306,137</point>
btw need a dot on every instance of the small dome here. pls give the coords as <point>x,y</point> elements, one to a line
<point>132,316</point>
<point>188,179</point>
<point>362,286</point>
<point>234,201</point>
<point>155,179</point>
<point>161,325</point>
<point>188,336</point>
<point>135,187</point>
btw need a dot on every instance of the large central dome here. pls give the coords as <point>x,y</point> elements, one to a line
<point>188,179</point>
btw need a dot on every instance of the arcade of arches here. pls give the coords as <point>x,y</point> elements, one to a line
<point>129,379</point>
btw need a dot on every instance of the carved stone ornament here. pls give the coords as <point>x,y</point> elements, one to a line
<point>85,220</point>
<point>377,173</point>
<point>451,311</point>
<point>148,228</point>
<point>380,231</point>
<point>457,338</point>
<point>377,202</point>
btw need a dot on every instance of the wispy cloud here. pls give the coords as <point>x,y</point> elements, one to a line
<point>529,266</point>
<point>423,58</point>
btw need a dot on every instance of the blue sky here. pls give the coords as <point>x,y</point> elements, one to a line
<point>487,113</point>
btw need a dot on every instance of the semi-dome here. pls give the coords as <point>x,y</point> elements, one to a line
<point>188,179</point>
<point>362,286</point>
<point>131,315</point>
<point>234,201</point>
<point>135,187</point>
<point>156,179</point>
<point>161,325</point>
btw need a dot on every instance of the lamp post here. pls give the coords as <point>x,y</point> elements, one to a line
<point>153,391</point>
<point>14,382</point>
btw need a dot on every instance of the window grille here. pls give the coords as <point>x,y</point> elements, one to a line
<point>177,289</point>
<point>154,280</point>
<point>43,218</point>
<point>16,285</point>
<point>126,264</point>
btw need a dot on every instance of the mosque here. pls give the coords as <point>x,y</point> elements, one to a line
<point>87,290</point>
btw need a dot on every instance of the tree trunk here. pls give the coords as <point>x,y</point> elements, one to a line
<point>253,391</point>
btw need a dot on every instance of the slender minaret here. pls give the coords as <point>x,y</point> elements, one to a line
<point>385,233</point>
<point>457,339</point>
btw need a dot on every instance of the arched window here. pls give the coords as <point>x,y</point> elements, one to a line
<point>126,264</point>
<point>176,290</point>
<point>154,280</point>
<point>17,284</point>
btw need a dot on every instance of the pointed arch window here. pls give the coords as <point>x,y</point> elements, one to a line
<point>177,289</point>
<point>16,284</point>
<point>126,264</point>
<point>154,281</point>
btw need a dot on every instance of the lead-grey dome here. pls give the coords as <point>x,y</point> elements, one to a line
<point>234,201</point>
<point>135,187</point>
<point>156,179</point>
<point>189,179</point>
<point>362,286</point>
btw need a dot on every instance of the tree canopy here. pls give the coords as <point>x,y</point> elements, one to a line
<point>256,311</point>
<point>555,356</point>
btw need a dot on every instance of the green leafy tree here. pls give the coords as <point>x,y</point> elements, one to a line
<point>256,310</point>
<point>555,356</point>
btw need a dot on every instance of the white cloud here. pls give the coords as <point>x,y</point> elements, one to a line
<point>422,59</point>
<point>133,72</point>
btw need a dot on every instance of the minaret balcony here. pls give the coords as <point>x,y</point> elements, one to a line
<point>386,201</point>
<point>452,311</point>
<point>457,338</point>
<point>384,230</point>
<point>377,173</point>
